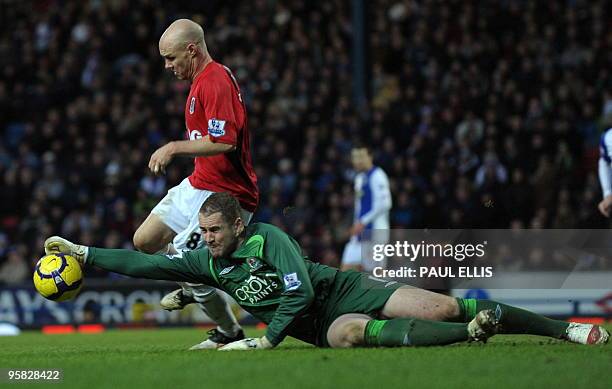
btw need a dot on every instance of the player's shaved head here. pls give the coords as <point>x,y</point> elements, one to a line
<point>184,50</point>
<point>181,33</point>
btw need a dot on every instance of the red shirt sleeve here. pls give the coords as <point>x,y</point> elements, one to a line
<point>222,121</point>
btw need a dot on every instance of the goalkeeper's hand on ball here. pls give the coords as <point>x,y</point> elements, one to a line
<point>56,244</point>
<point>248,344</point>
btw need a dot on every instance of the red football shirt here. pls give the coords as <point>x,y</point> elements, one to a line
<point>214,107</point>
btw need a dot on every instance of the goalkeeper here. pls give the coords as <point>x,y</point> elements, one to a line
<point>263,269</point>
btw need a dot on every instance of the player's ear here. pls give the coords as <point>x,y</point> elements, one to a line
<point>238,226</point>
<point>191,49</point>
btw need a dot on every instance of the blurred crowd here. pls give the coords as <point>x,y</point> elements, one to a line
<point>483,114</point>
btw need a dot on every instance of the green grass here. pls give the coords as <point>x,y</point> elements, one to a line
<point>159,359</point>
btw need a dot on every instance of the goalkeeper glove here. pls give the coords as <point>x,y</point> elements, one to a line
<point>248,344</point>
<point>56,244</point>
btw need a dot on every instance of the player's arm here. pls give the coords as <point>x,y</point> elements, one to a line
<point>381,199</point>
<point>605,173</point>
<point>186,148</point>
<point>200,148</point>
<point>190,266</point>
<point>283,253</point>
<point>175,267</point>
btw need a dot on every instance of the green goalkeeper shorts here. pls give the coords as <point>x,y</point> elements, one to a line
<point>352,292</point>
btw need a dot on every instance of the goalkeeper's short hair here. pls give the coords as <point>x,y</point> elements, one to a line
<point>224,203</point>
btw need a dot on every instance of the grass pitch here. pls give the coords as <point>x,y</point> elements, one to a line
<point>159,359</point>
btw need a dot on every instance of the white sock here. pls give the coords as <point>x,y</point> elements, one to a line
<point>218,310</point>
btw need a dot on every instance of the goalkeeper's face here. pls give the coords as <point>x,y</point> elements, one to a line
<point>221,237</point>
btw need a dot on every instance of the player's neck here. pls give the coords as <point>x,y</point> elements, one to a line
<point>201,66</point>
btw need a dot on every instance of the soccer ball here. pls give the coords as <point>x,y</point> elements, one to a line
<point>58,277</point>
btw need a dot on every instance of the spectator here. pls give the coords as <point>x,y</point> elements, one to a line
<point>15,269</point>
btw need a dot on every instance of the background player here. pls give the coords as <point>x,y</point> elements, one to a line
<point>371,215</point>
<point>264,270</point>
<point>219,140</point>
<point>605,172</point>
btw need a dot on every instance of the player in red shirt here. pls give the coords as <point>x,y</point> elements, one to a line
<point>216,121</point>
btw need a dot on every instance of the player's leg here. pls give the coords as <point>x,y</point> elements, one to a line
<point>351,256</point>
<point>348,330</point>
<point>153,235</point>
<point>356,298</point>
<point>163,223</point>
<point>213,304</point>
<point>410,302</point>
<point>354,330</point>
<point>515,320</point>
<point>218,310</point>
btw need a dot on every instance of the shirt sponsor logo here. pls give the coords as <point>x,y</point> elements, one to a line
<point>291,282</point>
<point>226,270</point>
<point>255,289</point>
<point>195,134</point>
<point>192,106</point>
<point>216,127</point>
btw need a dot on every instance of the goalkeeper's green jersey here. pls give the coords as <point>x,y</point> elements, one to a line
<point>267,275</point>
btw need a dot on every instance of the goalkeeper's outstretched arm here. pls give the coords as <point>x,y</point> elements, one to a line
<point>190,266</point>
<point>176,267</point>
